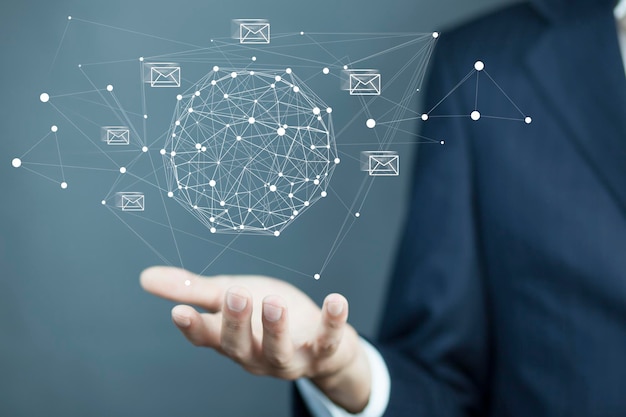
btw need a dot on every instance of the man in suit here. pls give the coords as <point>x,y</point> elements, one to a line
<point>509,296</point>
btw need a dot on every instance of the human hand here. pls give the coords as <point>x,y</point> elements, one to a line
<point>269,327</point>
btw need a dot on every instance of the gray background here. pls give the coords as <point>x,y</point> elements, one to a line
<point>78,337</point>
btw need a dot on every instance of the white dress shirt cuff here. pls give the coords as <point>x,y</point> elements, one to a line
<point>320,406</point>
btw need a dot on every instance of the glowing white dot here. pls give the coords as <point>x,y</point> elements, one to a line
<point>44,97</point>
<point>179,97</point>
<point>312,147</point>
<point>424,117</point>
<point>103,202</point>
<point>144,149</point>
<point>233,74</point>
<point>345,67</point>
<point>145,116</point>
<point>251,120</point>
<point>280,131</point>
<point>296,89</point>
<point>277,233</point>
<point>211,219</point>
<point>64,185</point>
<point>203,149</point>
<point>272,85</point>
<point>177,122</point>
<point>324,194</point>
<point>162,151</point>
<point>316,182</point>
<point>241,227</point>
<point>290,195</point>
<point>222,203</point>
<point>109,88</point>
<point>190,109</point>
<point>216,68</point>
<point>325,71</point>
<point>479,66</point>
<point>443,142</point>
<point>288,70</point>
<point>475,115</point>
<point>198,146</point>
<point>123,170</point>
<point>16,162</point>
<point>197,94</point>
<point>301,33</point>
<point>316,276</point>
<point>213,230</point>
<point>238,137</point>
<point>329,110</point>
<point>54,128</point>
<point>251,73</point>
<point>173,153</point>
<point>254,58</point>
<point>225,95</point>
<point>170,194</point>
<point>337,160</point>
<point>213,82</point>
<point>187,283</point>
<point>272,188</point>
<point>528,120</point>
<point>141,59</point>
<point>69,18</point>
<point>277,78</point>
<point>357,214</point>
<point>370,123</point>
<point>212,183</point>
<point>435,35</point>
<point>306,204</point>
<point>295,212</point>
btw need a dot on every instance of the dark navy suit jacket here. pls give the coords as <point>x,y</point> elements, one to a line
<point>509,296</point>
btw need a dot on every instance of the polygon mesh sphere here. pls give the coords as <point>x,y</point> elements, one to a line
<point>249,151</point>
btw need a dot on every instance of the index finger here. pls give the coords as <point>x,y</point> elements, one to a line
<point>185,287</point>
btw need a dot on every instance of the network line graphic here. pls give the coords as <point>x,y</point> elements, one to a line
<point>237,132</point>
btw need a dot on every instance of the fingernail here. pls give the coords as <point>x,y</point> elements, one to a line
<point>236,302</point>
<point>272,313</point>
<point>181,321</point>
<point>335,308</point>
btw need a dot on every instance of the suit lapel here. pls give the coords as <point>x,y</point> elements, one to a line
<point>588,92</point>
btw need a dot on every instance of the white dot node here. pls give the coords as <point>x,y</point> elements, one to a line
<point>197,93</point>
<point>144,149</point>
<point>109,88</point>
<point>187,283</point>
<point>324,194</point>
<point>238,138</point>
<point>233,74</point>
<point>173,153</point>
<point>312,147</point>
<point>177,122</point>
<point>479,66</point>
<point>316,182</point>
<point>277,233</point>
<point>326,71</point>
<point>424,117</point>
<point>254,58</point>
<point>277,78</point>
<point>475,115</point>
<point>329,110</point>
<point>443,142</point>
<point>295,212</point>
<point>216,68</point>
<point>357,214</point>
<point>64,185</point>
<point>170,194</point>
<point>296,89</point>
<point>203,149</point>
<point>371,123</point>
<point>281,131</point>
<point>140,59</point>
<point>103,202</point>
<point>54,128</point>
<point>273,188</point>
<point>337,160</point>
<point>145,116</point>
<point>301,33</point>
<point>162,152</point>
<point>290,195</point>
<point>179,97</point>
<point>222,203</point>
<point>44,97</point>
<point>251,120</point>
<point>435,35</point>
<point>251,73</point>
<point>225,95</point>
<point>528,120</point>
<point>69,18</point>
<point>213,230</point>
<point>213,82</point>
<point>212,183</point>
<point>16,162</point>
<point>345,67</point>
<point>288,70</point>
<point>190,109</point>
<point>306,204</point>
<point>316,276</point>
<point>198,146</point>
<point>316,110</point>
<point>123,170</point>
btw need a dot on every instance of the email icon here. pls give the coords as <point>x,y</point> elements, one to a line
<point>164,75</point>
<point>381,163</point>
<point>116,135</point>
<point>364,83</point>
<point>254,31</point>
<point>131,201</point>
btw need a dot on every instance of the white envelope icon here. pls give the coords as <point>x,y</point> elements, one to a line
<point>131,201</point>
<point>164,76</point>
<point>383,164</point>
<point>254,31</point>
<point>364,83</point>
<point>117,136</point>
